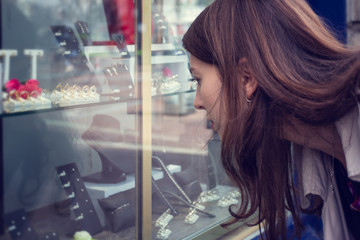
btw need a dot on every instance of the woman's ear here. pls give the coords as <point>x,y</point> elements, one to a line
<point>247,79</point>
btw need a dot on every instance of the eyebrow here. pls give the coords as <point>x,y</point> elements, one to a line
<point>192,70</point>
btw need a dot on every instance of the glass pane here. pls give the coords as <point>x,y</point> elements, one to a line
<point>68,134</point>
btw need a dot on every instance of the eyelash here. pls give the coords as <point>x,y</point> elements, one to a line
<point>196,80</point>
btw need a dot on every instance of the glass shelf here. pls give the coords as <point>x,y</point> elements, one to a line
<point>103,101</point>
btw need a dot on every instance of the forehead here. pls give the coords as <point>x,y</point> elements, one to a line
<point>196,65</point>
<point>193,62</point>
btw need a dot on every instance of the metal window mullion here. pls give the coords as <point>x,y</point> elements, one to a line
<point>144,118</point>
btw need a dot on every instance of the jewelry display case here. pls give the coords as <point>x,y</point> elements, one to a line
<point>99,133</point>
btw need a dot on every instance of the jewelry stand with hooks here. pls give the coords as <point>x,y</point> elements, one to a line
<point>34,53</point>
<point>84,32</point>
<point>73,53</point>
<point>68,41</point>
<point>119,39</point>
<point>19,227</point>
<point>119,80</point>
<point>81,205</point>
<point>6,55</point>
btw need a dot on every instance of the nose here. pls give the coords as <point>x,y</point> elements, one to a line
<point>198,104</point>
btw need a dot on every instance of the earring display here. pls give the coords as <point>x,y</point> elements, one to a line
<point>72,52</point>
<point>84,32</point>
<point>120,81</point>
<point>49,236</point>
<point>121,45</point>
<point>85,217</point>
<point>160,28</point>
<point>19,227</point>
<point>67,40</point>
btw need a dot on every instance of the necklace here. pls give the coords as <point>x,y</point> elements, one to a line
<point>166,170</point>
<point>332,174</point>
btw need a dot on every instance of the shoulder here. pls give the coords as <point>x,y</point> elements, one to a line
<point>324,138</point>
<point>348,128</point>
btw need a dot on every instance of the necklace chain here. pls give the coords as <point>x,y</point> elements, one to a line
<point>166,170</point>
<point>332,174</point>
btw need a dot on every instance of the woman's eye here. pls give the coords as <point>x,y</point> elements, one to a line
<point>195,80</point>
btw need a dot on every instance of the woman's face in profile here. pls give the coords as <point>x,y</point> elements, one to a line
<point>208,92</point>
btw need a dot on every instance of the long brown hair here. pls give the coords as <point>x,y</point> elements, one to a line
<point>301,70</point>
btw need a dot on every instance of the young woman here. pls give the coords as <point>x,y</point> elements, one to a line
<point>281,92</point>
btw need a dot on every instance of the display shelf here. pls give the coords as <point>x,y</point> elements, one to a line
<point>179,228</point>
<point>132,104</point>
<point>182,230</point>
<point>57,109</point>
<point>101,190</point>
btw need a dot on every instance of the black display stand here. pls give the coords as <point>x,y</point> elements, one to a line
<point>67,40</point>
<point>18,226</point>
<point>73,53</point>
<point>120,81</point>
<point>49,236</point>
<point>84,32</point>
<point>85,216</point>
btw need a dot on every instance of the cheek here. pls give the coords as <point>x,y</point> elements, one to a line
<point>206,97</point>
<point>222,114</point>
<point>212,96</point>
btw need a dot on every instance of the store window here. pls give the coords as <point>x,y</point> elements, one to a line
<point>73,117</point>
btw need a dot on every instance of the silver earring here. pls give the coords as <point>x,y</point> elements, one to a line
<point>249,101</point>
